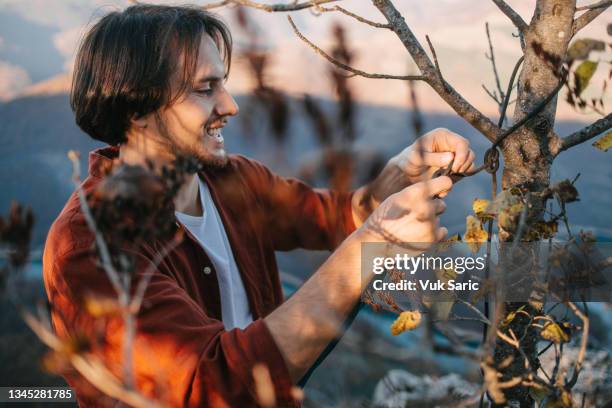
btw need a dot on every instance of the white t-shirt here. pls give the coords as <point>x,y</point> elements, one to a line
<point>210,233</point>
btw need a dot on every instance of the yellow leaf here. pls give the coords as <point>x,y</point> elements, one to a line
<point>581,48</point>
<point>510,317</point>
<point>583,75</point>
<point>553,332</point>
<point>407,320</point>
<point>475,235</point>
<point>604,143</point>
<point>481,208</point>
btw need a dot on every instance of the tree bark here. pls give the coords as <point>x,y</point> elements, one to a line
<point>528,157</point>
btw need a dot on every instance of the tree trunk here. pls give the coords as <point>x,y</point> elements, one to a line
<point>528,158</point>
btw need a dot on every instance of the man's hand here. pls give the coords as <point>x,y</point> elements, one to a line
<point>432,151</point>
<point>410,215</point>
<point>313,316</point>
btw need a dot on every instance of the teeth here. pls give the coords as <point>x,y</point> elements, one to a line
<point>214,132</point>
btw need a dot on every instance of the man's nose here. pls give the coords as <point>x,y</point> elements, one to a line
<point>226,106</point>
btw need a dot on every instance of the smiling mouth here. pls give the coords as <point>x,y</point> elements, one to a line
<point>215,133</point>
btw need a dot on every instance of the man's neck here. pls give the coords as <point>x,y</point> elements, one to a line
<point>187,199</point>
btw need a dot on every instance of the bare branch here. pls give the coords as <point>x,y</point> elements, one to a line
<point>105,256</point>
<point>351,14</point>
<point>599,4</point>
<point>583,342</point>
<point>586,133</point>
<point>463,108</point>
<point>435,57</point>
<point>516,19</point>
<point>482,317</point>
<point>347,67</point>
<point>492,94</point>
<point>89,366</point>
<point>138,297</point>
<point>491,58</point>
<point>270,8</point>
<point>585,18</point>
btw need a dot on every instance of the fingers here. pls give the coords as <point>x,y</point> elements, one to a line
<point>429,188</point>
<point>469,163</point>
<point>430,209</point>
<point>445,141</point>
<point>439,206</point>
<point>434,159</point>
<point>461,147</point>
<point>441,233</point>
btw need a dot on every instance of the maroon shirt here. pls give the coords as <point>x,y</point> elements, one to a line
<point>182,353</point>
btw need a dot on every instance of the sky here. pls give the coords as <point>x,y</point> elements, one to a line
<point>38,39</point>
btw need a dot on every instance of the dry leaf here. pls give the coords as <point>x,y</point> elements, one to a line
<point>583,75</point>
<point>604,143</point>
<point>580,49</point>
<point>408,320</point>
<point>481,208</point>
<point>553,332</point>
<point>475,235</point>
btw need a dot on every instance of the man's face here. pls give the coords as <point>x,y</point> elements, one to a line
<point>192,125</point>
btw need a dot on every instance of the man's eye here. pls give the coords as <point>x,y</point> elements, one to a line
<point>204,91</point>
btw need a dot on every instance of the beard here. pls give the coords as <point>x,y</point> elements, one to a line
<point>198,152</point>
<point>208,157</point>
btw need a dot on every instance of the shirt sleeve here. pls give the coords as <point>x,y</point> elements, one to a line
<point>296,215</point>
<point>180,355</point>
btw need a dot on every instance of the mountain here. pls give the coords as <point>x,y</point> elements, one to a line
<point>37,130</point>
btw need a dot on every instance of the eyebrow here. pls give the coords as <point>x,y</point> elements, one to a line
<point>209,78</point>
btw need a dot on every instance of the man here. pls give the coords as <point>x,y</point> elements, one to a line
<point>149,81</point>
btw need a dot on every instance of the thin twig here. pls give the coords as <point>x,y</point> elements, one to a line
<point>586,133</point>
<point>457,102</point>
<point>475,310</point>
<point>353,15</point>
<point>583,343</point>
<point>491,58</point>
<point>585,18</point>
<point>599,4</point>
<point>347,67</point>
<point>492,94</point>
<point>516,19</point>
<point>271,8</point>
<point>435,58</point>
<point>89,366</point>
<point>105,257</point>
<point>138,296</point>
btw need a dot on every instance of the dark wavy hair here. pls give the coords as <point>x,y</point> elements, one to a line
<point>125,64</point>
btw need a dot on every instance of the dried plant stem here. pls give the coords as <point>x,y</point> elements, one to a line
<point>347,67</point>
<point>90,367</point>
<point>271,8</point>
<point>351,14</point>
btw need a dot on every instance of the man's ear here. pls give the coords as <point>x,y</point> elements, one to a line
<point>139,121</point>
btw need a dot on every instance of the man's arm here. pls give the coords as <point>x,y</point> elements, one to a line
<point>305,324</point>
<point>182,356</point>
<point>434,150</point>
